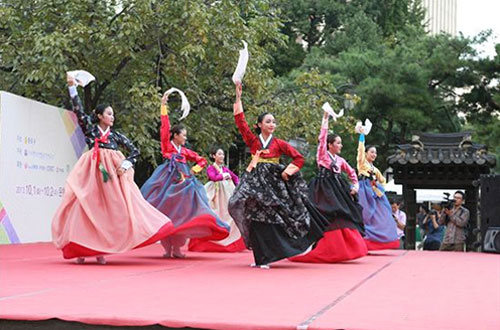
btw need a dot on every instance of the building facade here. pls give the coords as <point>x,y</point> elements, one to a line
<point>441,16</point>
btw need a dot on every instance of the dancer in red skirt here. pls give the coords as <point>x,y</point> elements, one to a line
<point>337,202</point>
<point>174,190</point>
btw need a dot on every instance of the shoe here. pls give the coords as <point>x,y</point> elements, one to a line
<point>253,265</point>
<point>176,253</point>
<point>168,248</point>
<point>100,260</point>
<point>80,260</point>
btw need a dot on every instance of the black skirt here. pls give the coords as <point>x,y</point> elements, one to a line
<point>275,217</point>
<point>330,194</point>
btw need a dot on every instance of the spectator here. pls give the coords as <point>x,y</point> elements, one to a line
<point>456,219</point>
<point>434,230</point>
<point>422,213</point>
<point>400,218</point>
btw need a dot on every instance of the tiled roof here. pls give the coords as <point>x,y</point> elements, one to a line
<point>442,148</point>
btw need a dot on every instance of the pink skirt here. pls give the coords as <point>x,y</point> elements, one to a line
<point>97,217</point>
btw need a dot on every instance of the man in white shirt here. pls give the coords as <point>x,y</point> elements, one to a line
<point>400,219</point>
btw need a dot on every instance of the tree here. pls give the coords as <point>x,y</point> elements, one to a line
<point>406,79</point>
<point>137,49</point>
<point>481,103</point>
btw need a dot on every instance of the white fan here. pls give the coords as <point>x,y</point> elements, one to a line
<point>82,77</point>
<point>328,108</point>
<point>363,129</point>
<point>242,64</point>
<point>185,107</point>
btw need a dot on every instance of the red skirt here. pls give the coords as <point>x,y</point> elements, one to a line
<point>372,245</point>
<point>336,246</point>
<point>210,246</point>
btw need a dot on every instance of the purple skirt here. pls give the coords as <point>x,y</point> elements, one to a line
<point>377,214</point>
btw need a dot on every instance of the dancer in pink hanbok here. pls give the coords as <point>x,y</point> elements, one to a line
<point>102,210</point>
<point>219,189</point>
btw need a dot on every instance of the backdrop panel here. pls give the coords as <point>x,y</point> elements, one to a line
<point>39,144</point>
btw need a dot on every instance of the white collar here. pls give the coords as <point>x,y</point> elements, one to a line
<point>266,142</point>
<point>103,132</point>
<point>331,155</point>
<point>219,168</point>
<point>178,148</point>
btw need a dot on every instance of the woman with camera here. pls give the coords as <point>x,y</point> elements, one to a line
<point>434,231</point>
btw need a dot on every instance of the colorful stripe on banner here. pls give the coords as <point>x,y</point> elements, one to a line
<point>74,131</point>
<point>8,234</point>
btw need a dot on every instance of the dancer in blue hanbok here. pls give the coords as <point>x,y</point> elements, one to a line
<point>380,227</point>
<point>174,190</point>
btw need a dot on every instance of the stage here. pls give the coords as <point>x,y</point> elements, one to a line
<point>385,290</point>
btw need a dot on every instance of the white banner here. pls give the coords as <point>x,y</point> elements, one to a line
<point>39,144</point>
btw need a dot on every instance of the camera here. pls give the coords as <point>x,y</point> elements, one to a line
<point>447,203</point>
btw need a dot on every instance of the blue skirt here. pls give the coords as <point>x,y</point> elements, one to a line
<point>377,214</point>
<point>175,192</point>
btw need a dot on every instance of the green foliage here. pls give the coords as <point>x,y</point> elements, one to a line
<point>408,80</point>
<point>481,103</point>
<point>302,54</point>
<point>136,50</point>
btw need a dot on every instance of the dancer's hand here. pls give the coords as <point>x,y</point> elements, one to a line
<point>164,99</point>
<point>354,191</point>
<point>285,176</point>
<point>120,170</point>
<point>70,80</point>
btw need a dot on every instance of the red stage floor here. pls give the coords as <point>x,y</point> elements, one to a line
<point>385,290</point>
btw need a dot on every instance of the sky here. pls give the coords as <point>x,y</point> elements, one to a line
<point>474,16</point>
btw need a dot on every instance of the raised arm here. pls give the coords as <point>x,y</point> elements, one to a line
<point>165,125</point>
<point>84,120</point>
<point>322,138</point>
<point>239,118</point>
<point>361,156</point>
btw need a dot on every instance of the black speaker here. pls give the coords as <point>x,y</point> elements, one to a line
<point>491,242</point>
<point>490,212</point>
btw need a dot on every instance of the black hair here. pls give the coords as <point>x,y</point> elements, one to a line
<point>368,147</point>
<point>394,201</point>
<point>433,212</point>
<point>176,129</point>
<point>259,120</point>
<point>213,150</point>
<point>461,194</point>
<point>99,110</point>
<point>331,138</point>
<point>424,207</point>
